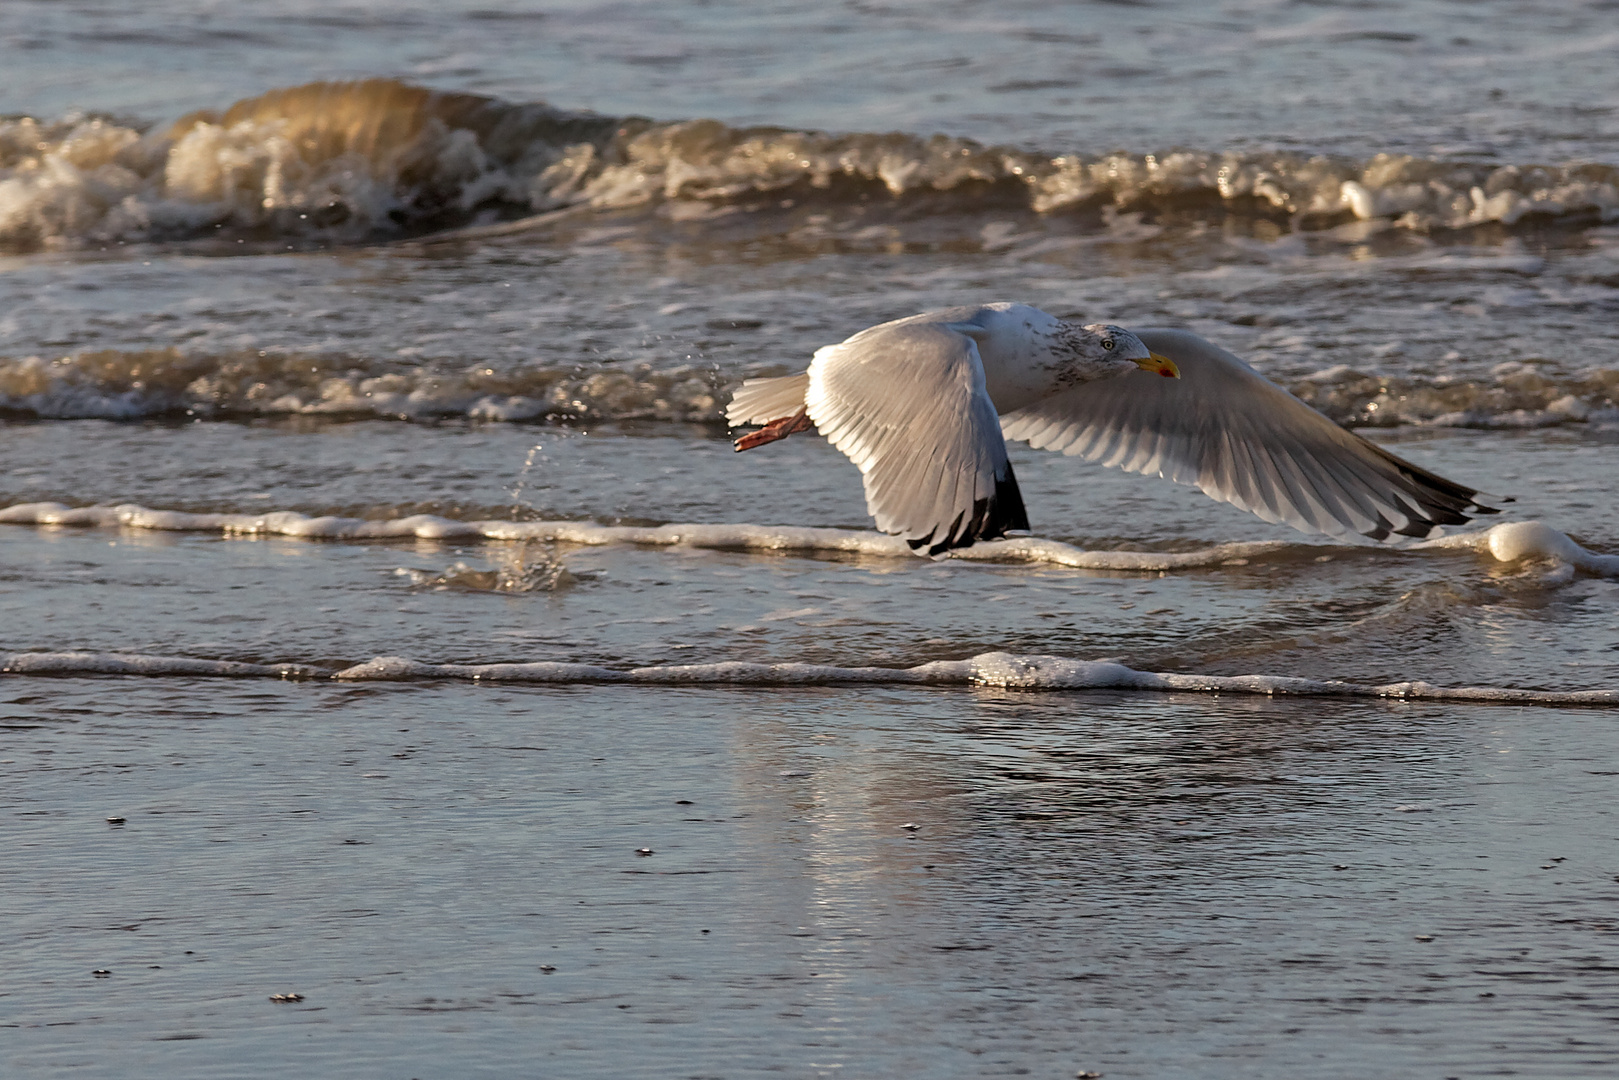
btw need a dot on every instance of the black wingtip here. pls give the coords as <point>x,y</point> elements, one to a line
<point>1434,500</point>
<point>1010,502</point>
<point>992,517</point>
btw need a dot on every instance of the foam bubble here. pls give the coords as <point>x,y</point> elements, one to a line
<point>1514,541</point>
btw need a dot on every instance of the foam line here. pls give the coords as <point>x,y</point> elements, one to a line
<point>1507,542</point>
<point>84,663</point>
<point>997,669</point>
<point>1035,550</point>
<point>132,384</point>
<point>724,537</point>
<point>994,669</point>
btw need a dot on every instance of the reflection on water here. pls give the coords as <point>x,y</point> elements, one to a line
<point>873,881</point>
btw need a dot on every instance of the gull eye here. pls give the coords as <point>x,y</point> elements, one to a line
<point>1107,343</point>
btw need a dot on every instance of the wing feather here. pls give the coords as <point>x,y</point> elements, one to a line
<point>906,403</point>
<point>1242,439</point>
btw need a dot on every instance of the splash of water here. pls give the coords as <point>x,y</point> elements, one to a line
<point>518,502</point>
<point>519,568</point>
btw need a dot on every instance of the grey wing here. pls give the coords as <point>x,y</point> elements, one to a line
<point>1228,430</point>
<point>759,401</point>
<point>906,402</point>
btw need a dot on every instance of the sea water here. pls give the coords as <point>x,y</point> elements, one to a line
<point>386,621</point>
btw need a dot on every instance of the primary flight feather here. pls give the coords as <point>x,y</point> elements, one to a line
<point>923,405</point>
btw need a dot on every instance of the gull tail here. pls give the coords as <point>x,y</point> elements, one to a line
<point>759,401</point>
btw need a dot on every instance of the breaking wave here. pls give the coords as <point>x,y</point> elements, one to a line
<point>358,161</point>
<point>995,669</point>
<point>1516,395</point>
<point>156,383</point>
<point>1508,542</point>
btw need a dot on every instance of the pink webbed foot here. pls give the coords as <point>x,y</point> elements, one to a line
<point>776,429</point>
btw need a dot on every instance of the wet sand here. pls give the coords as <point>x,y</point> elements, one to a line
<point>842,882</point>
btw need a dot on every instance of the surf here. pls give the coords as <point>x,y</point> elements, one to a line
<point>378,159</point>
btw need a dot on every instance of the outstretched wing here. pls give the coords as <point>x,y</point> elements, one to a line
<point>906,402</point>
<point>1225,428</point>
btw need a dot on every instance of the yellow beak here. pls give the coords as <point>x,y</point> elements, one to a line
<point>1162,365</point>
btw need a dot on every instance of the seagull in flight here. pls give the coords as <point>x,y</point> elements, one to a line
<point>924,407</point>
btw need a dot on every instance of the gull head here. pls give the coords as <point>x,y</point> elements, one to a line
<point>1112,350</point>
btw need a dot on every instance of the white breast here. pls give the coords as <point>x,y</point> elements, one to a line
<point>1015,345</point>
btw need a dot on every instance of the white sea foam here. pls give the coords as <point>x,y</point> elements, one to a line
<point>1512,541</point>
<point>1507,542</point>
<point>134,384</point>
<point>994,669</point>
<point>1513,396</point>
<point>725,537</point>
<point>89,663</point>
<point>352,161</point>
<point>128,385</point>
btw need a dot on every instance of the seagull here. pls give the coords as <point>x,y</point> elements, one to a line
<point>924,407</point>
